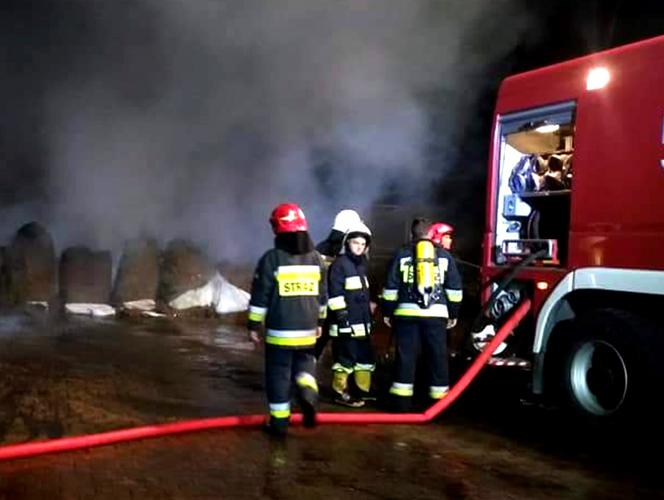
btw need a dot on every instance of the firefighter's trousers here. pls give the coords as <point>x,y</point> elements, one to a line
<point>285,370</point>
<point>414,336</point>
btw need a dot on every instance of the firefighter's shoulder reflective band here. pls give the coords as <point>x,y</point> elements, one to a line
<point>336,303</point>
<point>353,283</point>
<point>257,313</point>
<point>364,367</point>
<point>304,379</point>
<point>443,263</point>
<point>280,410</point>
<point>290,338</point>
<point>295,271</point>
<point>297,280</point>
<point>399,389</point>
<point>454,295</point>
<point>390,294</point>
<point>414,310</point>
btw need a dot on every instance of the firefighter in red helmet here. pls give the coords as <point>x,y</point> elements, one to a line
<point>441,234</point>
<point>288,302</point>
<point>422,295</point>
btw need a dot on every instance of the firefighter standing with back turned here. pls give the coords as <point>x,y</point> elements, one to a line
<point>422,295</point>
<point>288,297</point>
<point>350,312</point>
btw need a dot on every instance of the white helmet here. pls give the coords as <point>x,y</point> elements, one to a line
<point>345,219</point>
<point>356,230</point>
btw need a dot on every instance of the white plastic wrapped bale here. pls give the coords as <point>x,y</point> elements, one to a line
<point>94,310</point>
<point>140,305</point>
<point>217,293</point>
<point>38,304</point>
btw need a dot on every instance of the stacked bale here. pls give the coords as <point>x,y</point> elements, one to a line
<point>138,275</point>
<point>30,265</point>
<point>85,276</point>
<point>184,267</point>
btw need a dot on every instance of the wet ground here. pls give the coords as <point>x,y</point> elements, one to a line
<point>71,376</point>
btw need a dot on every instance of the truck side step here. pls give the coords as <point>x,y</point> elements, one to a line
<point>509,362</point>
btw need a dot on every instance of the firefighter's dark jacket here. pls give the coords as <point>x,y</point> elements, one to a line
<point>400,297</point>
<point>349,295</point>
<point>332,245</point>
<point>288,297</point>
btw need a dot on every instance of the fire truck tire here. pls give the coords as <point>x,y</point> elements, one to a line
<point>606,368</point>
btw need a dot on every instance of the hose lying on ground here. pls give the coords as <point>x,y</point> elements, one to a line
<point>79,442</point>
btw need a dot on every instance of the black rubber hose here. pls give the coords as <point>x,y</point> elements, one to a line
<point>480,321</point>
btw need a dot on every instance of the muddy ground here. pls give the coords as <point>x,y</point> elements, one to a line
<point>65,376</point>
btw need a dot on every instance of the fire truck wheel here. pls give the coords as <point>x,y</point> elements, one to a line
<point>605,367</point>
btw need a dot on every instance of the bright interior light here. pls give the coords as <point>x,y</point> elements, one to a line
<point>547,128</point>
<point>542,285</point>
<point>597,78</point>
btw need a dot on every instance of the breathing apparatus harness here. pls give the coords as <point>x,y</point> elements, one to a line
<point>426,288</point>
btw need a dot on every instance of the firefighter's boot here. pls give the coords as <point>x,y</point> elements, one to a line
<point>308,397</point>
<point>340,388</point>
<point>276,427</point>
<point>363,383</point>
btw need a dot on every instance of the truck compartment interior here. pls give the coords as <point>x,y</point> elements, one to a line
<point>535,176</point>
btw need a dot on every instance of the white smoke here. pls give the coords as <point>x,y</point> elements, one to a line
<point>193,118</point>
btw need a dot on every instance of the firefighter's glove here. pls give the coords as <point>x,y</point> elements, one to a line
<point>254,337</point>
<point>451,323</point>
<point>343,325</point>
<point>345,329</point>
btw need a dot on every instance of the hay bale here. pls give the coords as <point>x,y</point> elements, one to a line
<point>30,265</point>
<point>138,274</point>
<point>184,267</point>
<point>85,276</point>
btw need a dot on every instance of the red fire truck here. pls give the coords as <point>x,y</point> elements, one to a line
<point>575,222</point>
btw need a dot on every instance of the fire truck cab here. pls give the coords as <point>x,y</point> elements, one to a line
<point>576,183</point>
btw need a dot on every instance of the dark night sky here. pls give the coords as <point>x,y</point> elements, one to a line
<point>52,44</point>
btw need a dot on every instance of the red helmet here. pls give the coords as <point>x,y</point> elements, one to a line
<point>437,231</point>
<point>288,218</point>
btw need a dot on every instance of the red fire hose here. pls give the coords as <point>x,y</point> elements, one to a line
<point>75,443</point>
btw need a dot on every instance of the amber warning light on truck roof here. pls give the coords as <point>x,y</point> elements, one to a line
<point>597,78</point>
